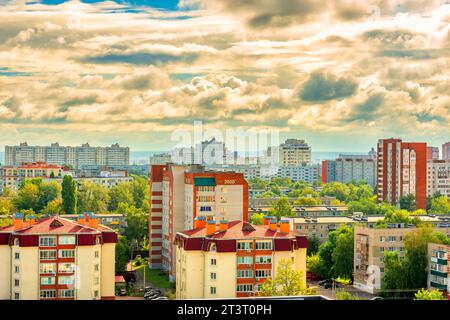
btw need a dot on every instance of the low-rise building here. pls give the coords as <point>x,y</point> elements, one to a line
<point>372,243</point>
<point>309,211</point>
<point>439,268</point>
<point>233,259</point>
<point>438,177</point>
<point>57,259</point>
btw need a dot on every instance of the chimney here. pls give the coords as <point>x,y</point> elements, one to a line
<point>199,222</point>
<point>87,217</point>
<point>284,226</point>
<point>93,221</point>
<point>31,219</point>
<point>223,225</point>
<point>210,227</point>
<point>267,220</point>
<point>81,220</point>
<point>18,220</point>
<point>273,225</point>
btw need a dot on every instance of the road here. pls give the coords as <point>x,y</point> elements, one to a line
<point>329,293</point>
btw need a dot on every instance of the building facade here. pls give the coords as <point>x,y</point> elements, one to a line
<point>294,152</point>
<point>233,259</point>
<point>328,171</point>
<point>77,157</point>
<point>370,244</point>
<point>439,268</point>
<point>438,177</point>
<point>432,153</point>
<point>401,170</point>
<point>306,173</point>
<point>182,193</point>
<point>57,259</point>
<point>446,151</point>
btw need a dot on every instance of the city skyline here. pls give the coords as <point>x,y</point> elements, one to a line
<point>84,71</point>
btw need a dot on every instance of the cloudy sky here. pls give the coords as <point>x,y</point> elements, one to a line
<point>340,74</point>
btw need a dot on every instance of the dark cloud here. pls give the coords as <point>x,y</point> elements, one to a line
<point>140,58</point>
<point>368,109</point>
<point>426,117</point>
<point>323,87</point>
<point>415,54</point>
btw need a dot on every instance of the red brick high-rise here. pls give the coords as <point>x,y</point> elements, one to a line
<point>401,170</point>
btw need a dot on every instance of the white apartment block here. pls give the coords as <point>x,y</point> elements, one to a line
<point>438,177</point>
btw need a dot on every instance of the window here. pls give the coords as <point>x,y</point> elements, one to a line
<point>213,276</point>
<point>47,241</point>
<point>381,249</point>
<point>381,239</point>
<point>392,238</point>
<point>48,294</point>
<point>263,245</point>
<point>213,262</point>
<point>212,290</point>
<point>263,273</point>
<point>244,288</point>
<point>66,280</point>
<point>66,293</point>
<point>48,268</point>
<point>16,282</point>
<point>96,281</point>
<point>17,255</point>
<point>47,254</point>
<point>244,260</point>
<point>66,267</point>
<point>67,240</point>
<point>263,259</point>
<point>45,281</point>
<point>96,267</point>
<point>16,269</point>
<point>96,254</point>
<point>16,296</point>
<point>67,253</point>
<point>245,273</point>
<point>245,245</point>
<point>96,294</point>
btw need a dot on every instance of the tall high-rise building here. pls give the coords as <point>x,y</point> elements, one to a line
<point>76,157</point>
<point>179,194</point>
<point>294,152</point>
<point>328,171</point>
<point>446,151</point>
<point>402,170</point>
<point>432,153</point>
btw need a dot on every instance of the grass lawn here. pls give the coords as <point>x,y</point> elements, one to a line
<point>158,281</point>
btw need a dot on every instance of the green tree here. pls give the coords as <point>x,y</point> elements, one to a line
<point>367,206</point>
<point>304,201</point>
<point>314,264</point>
<point>395,277</point>
<point>336,189</point>
<point>343,253</point>
<point>440,205</point>
<point>137,223</point>
<point>313,245</point>
<point>69,195</point>
<point>123,254</point>
<point>27,197</point>
<point>282,182</point>
<point>6,206</point>
<point>342,294</point>
<point>120,193</point>
<point>48,191</point>
<point>256,183</point>
<point>424,294</point>
<point>257,218</point>
<point>92,197</point>
<point>287,282</point>
<point>54,207</point>
<point>281,208</point>
<point>140,189</point>
<point>408,202</point>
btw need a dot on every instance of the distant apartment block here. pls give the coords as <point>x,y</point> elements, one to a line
<point>77,157</point>
<point>371,244</point>
<point>306,173</point>
<point>57,259</point>
<point>401,170</point>
<point>233,259</point>
<point>348,168</point>
<point>438,177</point>
<point>432,153</point>
<point>179,194</point>
<point>446,151</point>
<point>439,268</point>
<point>294,152</point>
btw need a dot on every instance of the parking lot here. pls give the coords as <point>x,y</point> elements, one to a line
<point>330,293</point>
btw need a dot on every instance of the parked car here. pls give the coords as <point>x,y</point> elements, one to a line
<point>376,298</point>
<point>161,298</point>
<point>321,283</point>
<point>151,296</point>
<point>329,285</point>
<point>123,292</point>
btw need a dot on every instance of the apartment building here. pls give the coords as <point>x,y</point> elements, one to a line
<point>438,177</point>
<point>12,176</point>
<point>371,244</point>
<point>77,157</point>
<point>306,173</point>
<point>446,151</point>
<point>432,153</point>
<point>179,194</point>
<point>302,211</point>
<point>233,259</point>
<point>328,171</point>
<point>57,259</point>
<point>439,268</point>
<point>294,152</point>
<point>401,170</point>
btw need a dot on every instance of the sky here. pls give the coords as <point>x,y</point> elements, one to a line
<point>339,74</point>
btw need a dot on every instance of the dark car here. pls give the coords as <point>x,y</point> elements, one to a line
<point>323,282</point>
<point>123,292</point>
<point>329,285</point>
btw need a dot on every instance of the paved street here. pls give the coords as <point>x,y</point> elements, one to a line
<point>329,293</point>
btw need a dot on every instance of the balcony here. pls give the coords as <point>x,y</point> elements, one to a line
<point>438,273</point>
<point>438,285</point>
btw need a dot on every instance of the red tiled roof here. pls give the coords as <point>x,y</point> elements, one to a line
<point>234,231</point>
<point>48,226</point>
